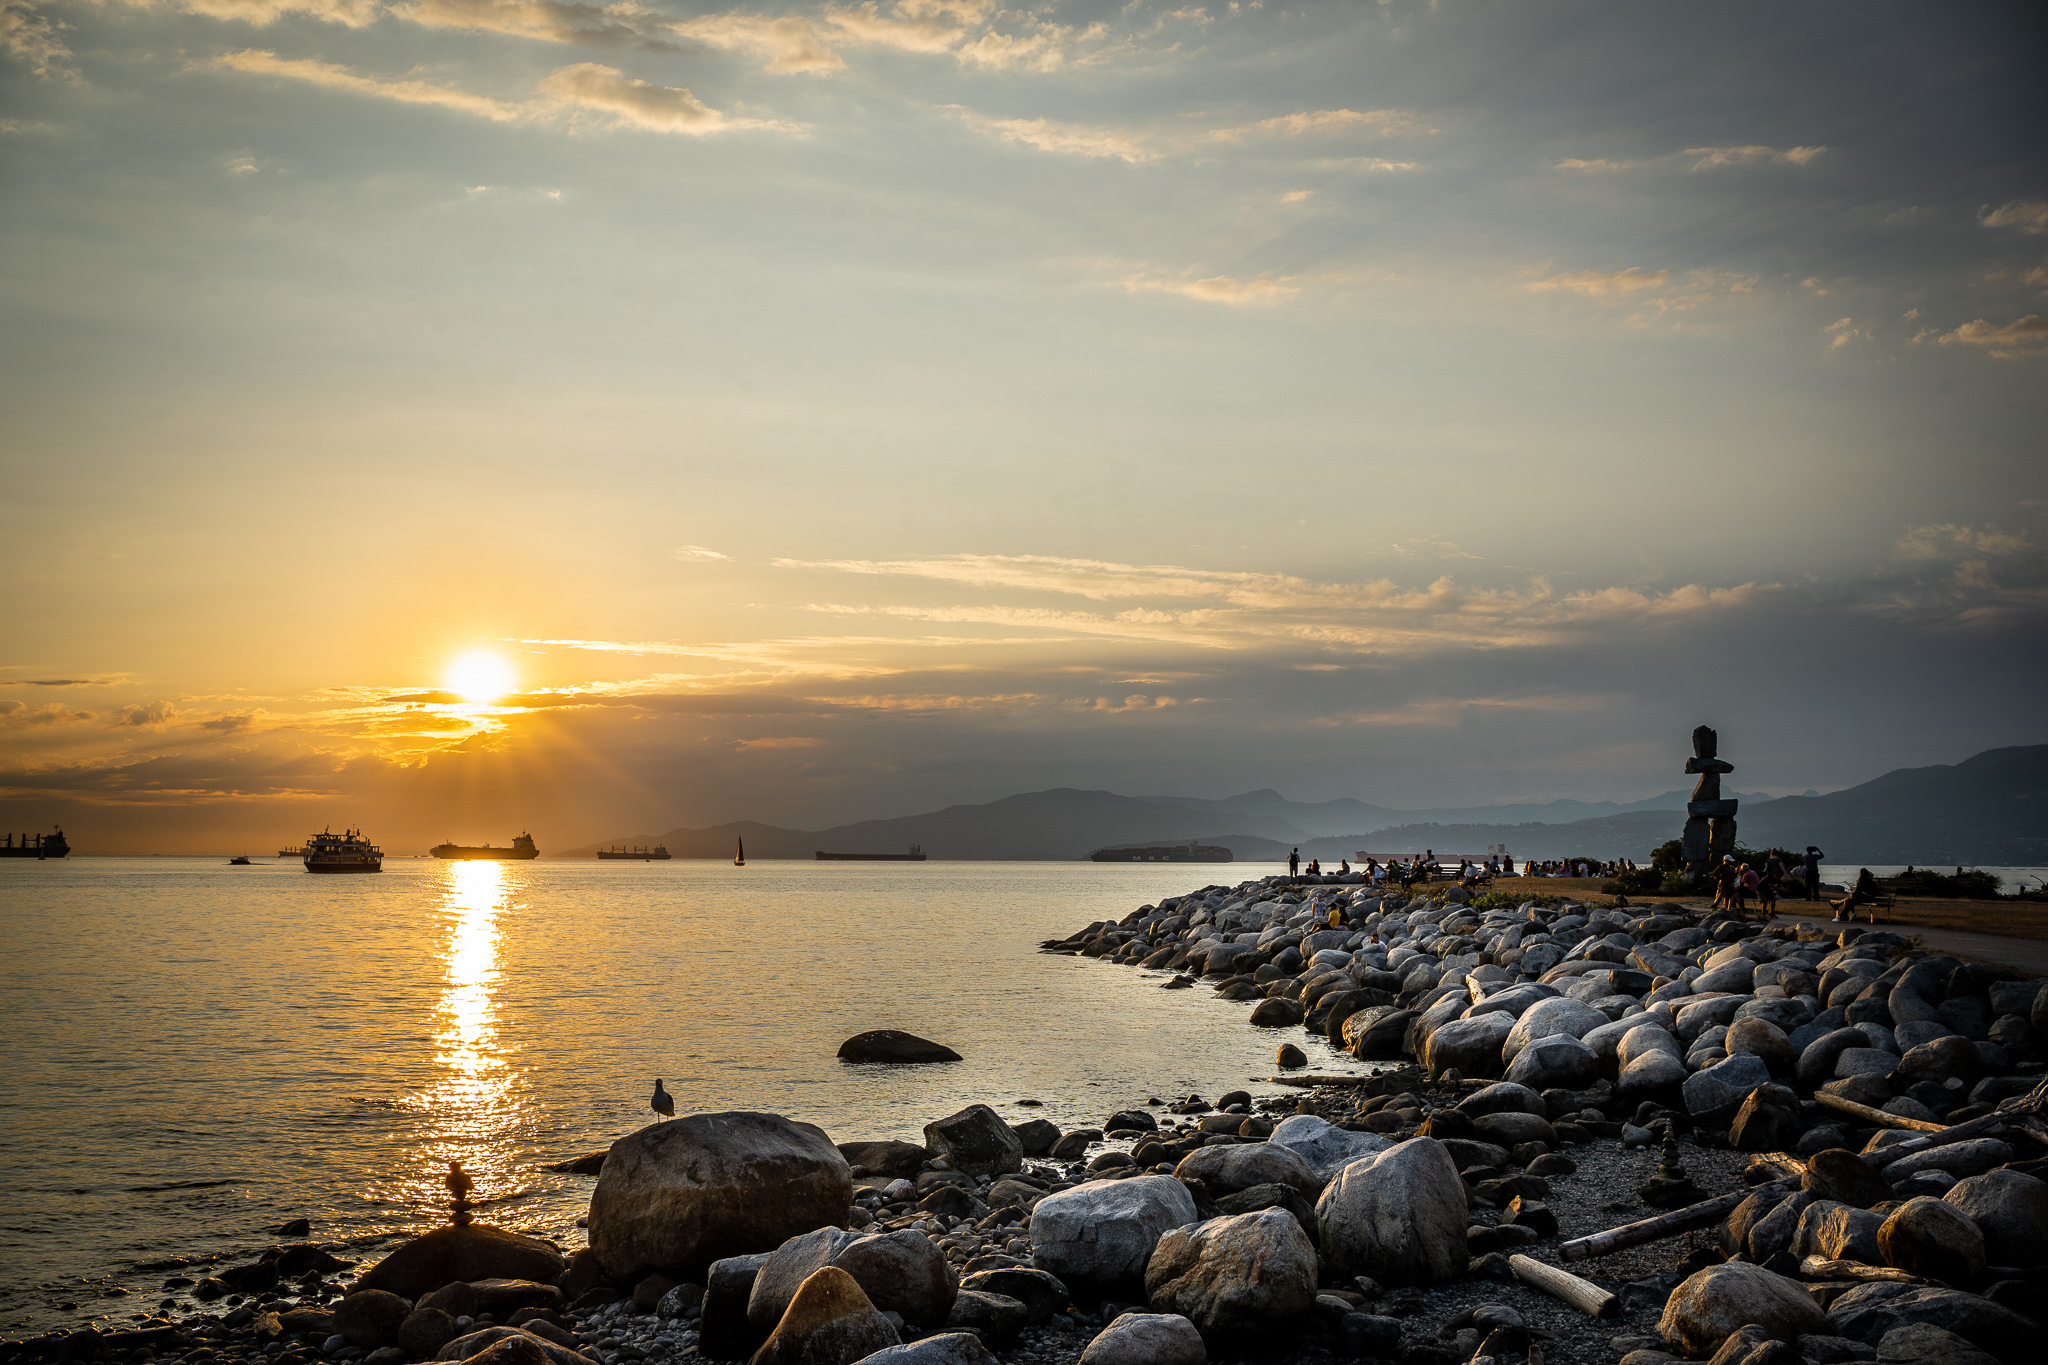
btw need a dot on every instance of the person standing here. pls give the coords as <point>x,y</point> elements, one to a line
<point>1294,863</point>
<point>1810,869</point>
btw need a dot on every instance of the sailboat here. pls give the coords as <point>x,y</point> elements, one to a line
<point>739,852</point>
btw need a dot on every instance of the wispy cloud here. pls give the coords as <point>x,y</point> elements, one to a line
<point>551,21</point>
<point>350,13</point>
<point>28,33</point>
<point>1700,159</point>
<point>1944,540</point>
<point>638,103</point>
<point>2029,216</point>
<point>1385,122</point>
<point>2021,337</point>
<point>1603,284</point>
<point>1260,291</point>
<point>1073,139</point>
<point>330,76</point>
<point>1652,295</point>
<point>697,553</point>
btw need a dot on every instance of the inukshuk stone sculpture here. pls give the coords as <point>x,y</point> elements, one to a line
<point>1709,820</point>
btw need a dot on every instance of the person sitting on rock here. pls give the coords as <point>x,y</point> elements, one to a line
<point>1863,893</point>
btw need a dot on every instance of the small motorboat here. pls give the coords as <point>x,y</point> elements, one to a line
<point>240,862</point>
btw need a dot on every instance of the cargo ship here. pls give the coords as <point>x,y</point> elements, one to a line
<point>36,846</point>
<point>618,852</point>
<point>522,847</point>
<point>916,855</point>
<point>1163,853</point>
<point>348,851</point>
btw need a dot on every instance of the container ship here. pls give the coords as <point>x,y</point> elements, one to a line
<point>522,848</point>
<point>1163,853</point>
<point>620,853</point>
<point>348,851</point>
<point>916,855</point>
<point>36,846</point>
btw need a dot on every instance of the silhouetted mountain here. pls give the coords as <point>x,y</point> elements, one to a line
<point>1992,808</point>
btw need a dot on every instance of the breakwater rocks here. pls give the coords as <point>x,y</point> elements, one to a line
<point>1855,1110</point>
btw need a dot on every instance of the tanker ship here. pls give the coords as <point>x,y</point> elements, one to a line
<point>522,847</point>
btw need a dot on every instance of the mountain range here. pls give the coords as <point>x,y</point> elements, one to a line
<point>1989,809</point>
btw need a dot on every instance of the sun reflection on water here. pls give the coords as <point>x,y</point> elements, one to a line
<point>471,1106</point>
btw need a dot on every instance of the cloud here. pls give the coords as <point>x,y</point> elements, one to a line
<point>55,682</point>
<point>1739,156</point>
<point>20,715</point>
<point>2021,337</point>
<point>791,43</point>
<point>1946,540</point>
<point>27,33</point>
<point>697,552</point>
<point>261,13</point>
<point>621,25</point>
<point>1070,138</point>
<point>1604,284</point>
<point>1704,158</point>
<point>1844,331</point>
<point>1297,196</point>
<point>779,742</point>
<point>1385,122</point>
<point>232,724</point>
<point>663,108</point>
<point>1264,290</point>
<point>2030,217</point>
<point>259,62</point>
<point>145,715</point>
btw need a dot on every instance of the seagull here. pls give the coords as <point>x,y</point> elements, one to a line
<point>663,1103</point>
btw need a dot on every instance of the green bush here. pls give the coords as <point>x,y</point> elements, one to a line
<point>1643,881</point>
<point>1676,884</point>
<point>1972,885</point>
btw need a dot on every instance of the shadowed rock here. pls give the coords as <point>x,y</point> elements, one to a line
<point>888,1045</point>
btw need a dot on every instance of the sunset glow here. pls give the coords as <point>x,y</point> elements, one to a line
<point>480,678</point>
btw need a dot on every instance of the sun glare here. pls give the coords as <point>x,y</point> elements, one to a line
<point>480,677</point>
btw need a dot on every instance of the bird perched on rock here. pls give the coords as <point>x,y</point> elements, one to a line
<point>663,1103</point>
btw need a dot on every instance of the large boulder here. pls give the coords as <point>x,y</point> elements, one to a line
<point>1559,1017</point>
<point>1933,1239</point>
<point>1650,1060</point>
<point>1232,1276</point>
<point>1714,1094</point>
<point>1326,1148</point>
<point>1940,1059</point>
<point>1041,1294</point>
<point>904,1273</point>
<point>1398,1217</point>
<point>724,1332</point>
<point>829,1322</point>
<point>901,1159</point>
<point>1555,1062</point>
<point>1710,1306</point>
<point>476,1252</point>
<point>889,1045</point>
<point>1837,1232</point>
<point>1147,1339</point>
<point>370,1318</point>
<point>1817,1060</point>
<point>679,1195</point>
<point>1504,1097</point>
<point>1226,1170</point>
<point>1768,1121</point>
<point>977,1141</point>
<point>1102,1233</point>
<point>1511,1127</point>
<point>947,1348</point>
<point>1765,1040</point>
<point>1922,1343</point>
<point>1470,1046</point>
<point>1841,1175</point>
<point>1377,1033</point>
<point>785,1271</point>
<point>2011,1209</point>
<point>1869,1312</point>
<point>1972,1156</point>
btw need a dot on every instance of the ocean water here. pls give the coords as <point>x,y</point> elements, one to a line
<point>197,1053</point>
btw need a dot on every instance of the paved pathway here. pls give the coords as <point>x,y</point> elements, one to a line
<point>2025,954</point>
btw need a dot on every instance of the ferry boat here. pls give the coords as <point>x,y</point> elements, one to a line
<point>522,847</point>
<point>348,851</point>
<point>36,846</point>
<point>916,855</point>
<point>1163,853</point>
<point>619,852</point>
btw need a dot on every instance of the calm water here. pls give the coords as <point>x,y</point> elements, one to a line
<point>199,1052</point>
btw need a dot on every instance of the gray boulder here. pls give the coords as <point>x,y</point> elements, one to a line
<point>679,1195</point>
<point>1501,1097</point>
<point>1398,1217</point>
<point>1765,1040</point>
<point>1925,1344</point>
<point>1326,1148</point>
<point>1231,1276</point>
<point>977,1141</point>
<point>1041,1294</point>
<point>1932,1239</point>
<point>1556,1062</point>
<point>1226,1170</point>
<point>829,1322</point>
<point>1714,1094</point>
<point>949,1348</point>
<point>476,1252</point>
<point>1147,1339</point>
<point>1973,1156</point>
<point>1559,1017</point>
<point>1837,1232</point>
<point>1469,1046</point>
<point>786,1269</point>
<point>370,1318</point>
<point>1817,1061</point>
<point>1869,1312</point>
<point>1509,1128</point>
<point>1102,1233</point>
<point>1713,1304</point>
<point>2011,1209</point>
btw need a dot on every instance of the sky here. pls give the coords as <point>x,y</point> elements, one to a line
<point>452,417</point>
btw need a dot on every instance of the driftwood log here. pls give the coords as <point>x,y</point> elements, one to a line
<point>1876,1116</point>
<point>2022,1111</point>
<point>1584,1295</point>
<point>1821,1268</point>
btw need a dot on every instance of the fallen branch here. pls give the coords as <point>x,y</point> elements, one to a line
<point>1584,1295</point>
<point>1940,1137</point>
<point>1877,1116</point>
<point>1666,1224</point>
<point>1821,1268</point>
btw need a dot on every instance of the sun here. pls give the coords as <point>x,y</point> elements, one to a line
<point>480,677</point>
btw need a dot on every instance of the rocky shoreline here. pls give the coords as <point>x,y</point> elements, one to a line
<point>1550,1072</point>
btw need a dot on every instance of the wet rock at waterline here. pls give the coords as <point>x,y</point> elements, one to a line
<point>889,1045</point>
